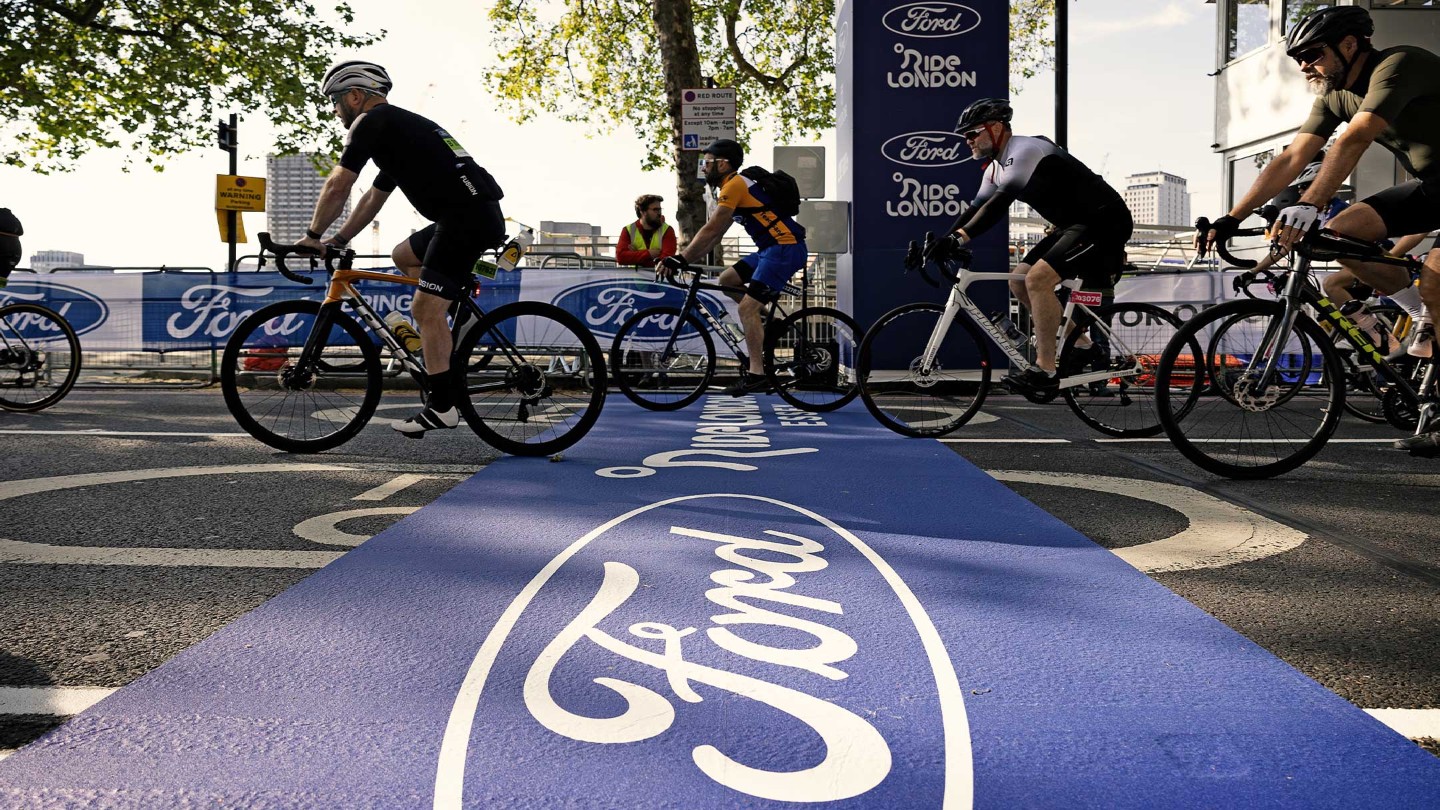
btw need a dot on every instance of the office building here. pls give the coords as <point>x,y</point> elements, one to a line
<point>292,186</point>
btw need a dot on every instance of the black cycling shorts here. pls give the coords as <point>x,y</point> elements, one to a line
<point>1093,253</point>
<point>449,248</point>
<point>1412,207</point>
<point>10,254</point>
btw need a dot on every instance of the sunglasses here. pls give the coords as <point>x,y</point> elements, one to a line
<point>335,97</point>
<point>1310,56</point>
<point>972,134</point>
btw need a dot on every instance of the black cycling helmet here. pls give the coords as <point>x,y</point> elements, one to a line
<point>986,109</point>
<point>727,149</point>
<point>1328,26</point>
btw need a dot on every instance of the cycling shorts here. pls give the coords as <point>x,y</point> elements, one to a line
<point>1412,207</point>
<point>766,273</point>
<point>10,254</point>
<point>1093,253</point>
<point>449,248</point>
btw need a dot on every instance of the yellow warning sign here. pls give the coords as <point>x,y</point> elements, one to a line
<point>224,218</point>
<point>236,193</point>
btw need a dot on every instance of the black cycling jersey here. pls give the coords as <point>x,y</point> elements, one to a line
<point>436,173</point>
<point>1040,174</point>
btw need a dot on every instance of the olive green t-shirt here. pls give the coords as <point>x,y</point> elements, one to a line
<point>1402,86</point>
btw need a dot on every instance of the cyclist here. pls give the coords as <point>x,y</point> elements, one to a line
<point>1341,286</point>
<point>1091,221</point>
<point>10,253</point>
<point>444,184</point>
<point>1389,97</point>
<point>780,250</point>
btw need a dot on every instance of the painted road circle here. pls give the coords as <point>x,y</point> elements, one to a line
<point>1219,534</point>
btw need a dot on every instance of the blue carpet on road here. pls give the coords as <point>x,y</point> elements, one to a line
<point>730,606</point>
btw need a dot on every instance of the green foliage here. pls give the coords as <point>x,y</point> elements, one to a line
<point>152,76</point>
<point>596,61</point>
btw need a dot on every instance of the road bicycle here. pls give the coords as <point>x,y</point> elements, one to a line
<point>305,376</point>
<point>1276,381</point>
<point>925,369</point>
<point>664,358</point>
<point>39,355</point>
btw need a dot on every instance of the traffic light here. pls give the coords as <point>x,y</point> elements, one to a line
<point>227,139</point>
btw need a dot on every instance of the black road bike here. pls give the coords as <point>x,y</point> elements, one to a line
<point>39,356</point>
<point>305,376</point>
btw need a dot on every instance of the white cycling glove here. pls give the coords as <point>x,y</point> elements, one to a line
<point>1301,216</point>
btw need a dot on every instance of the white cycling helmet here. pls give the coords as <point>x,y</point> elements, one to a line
<point>366,76</point>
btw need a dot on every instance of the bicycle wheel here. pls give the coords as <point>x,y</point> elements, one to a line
<point>1246,430</point>
<point>544,387</point>
<point>1123,404</point>
<point>811,358</point>
<point>295,409</point>
<point>39,357</point>
<point>655,371</point>
<point>907,397</point>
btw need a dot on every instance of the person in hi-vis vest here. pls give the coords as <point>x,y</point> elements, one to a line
<point>648,239</point>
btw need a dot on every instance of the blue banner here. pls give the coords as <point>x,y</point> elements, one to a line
<point>904,71</point>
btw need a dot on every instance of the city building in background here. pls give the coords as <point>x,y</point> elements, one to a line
<point>292,185</point>
<point>1261,98</point>
<point>1157,198</point>
<point>46,261</point>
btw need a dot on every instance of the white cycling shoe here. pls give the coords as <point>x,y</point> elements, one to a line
<point>429,419</point>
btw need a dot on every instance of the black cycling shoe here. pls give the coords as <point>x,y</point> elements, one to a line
<point>750,384</point>
<point>1424,445</point>
<point>1033,381</point>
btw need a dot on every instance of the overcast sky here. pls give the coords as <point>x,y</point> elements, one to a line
<point>1139,101</point>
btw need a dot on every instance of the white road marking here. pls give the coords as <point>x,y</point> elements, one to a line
<point>1005,441</point>
<point>389,488</point>
<point>117,433</point>
<point>1413,723</point>
<point>1219,533</point>
<point>323,528</point>
<point>57,700</point>
<point>1243,441</point>
<point>22,553</point>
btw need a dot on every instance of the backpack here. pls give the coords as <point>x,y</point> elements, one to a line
<point>781,188</point>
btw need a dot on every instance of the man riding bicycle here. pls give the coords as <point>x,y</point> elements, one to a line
<point>780,251</point>
<point>445,185</point>
<point>1092,222</point>
<point>1390,97</point>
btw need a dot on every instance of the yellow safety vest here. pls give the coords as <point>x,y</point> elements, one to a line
<point>637,240</point>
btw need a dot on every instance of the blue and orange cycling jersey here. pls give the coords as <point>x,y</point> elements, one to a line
<point>752,210</point>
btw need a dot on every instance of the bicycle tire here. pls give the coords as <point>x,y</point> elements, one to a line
<point>810,359</point>
<point>1124,405</point>
<point>656,382</point>
<point>1241,435</point>
<point>280,404</point>
<point>544,387</point>
<point>29,361</point>
<point>921,405</point>
<point>1222,367</point>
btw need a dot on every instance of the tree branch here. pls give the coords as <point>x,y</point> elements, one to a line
<point>732,18</point>
<point>87,18</point>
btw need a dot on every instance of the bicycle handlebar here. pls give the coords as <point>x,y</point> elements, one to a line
<point>345,255</point>
<point>1202,227</point>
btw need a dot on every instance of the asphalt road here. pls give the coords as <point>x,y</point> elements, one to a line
<point>1334,568</point>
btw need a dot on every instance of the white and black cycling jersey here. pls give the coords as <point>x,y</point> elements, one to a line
<point>1050,180</point>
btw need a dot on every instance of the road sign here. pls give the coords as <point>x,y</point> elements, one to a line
<point>235,193</point>
<point>706,115</point>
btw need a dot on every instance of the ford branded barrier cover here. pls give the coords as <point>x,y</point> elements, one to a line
<point>170,311</point>
<point>735,605</point>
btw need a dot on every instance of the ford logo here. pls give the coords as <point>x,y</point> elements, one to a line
<point>85,311</point>
<point>605,305</point>
<point>720,640</point>
<point>931,20</point>
<point>929,149</point>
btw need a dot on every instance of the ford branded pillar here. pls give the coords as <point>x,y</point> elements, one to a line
<point>904,71</point>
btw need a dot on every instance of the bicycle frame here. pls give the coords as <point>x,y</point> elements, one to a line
<point>960,302</point>
<point>1299,292</point>
<point>692,304</point>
